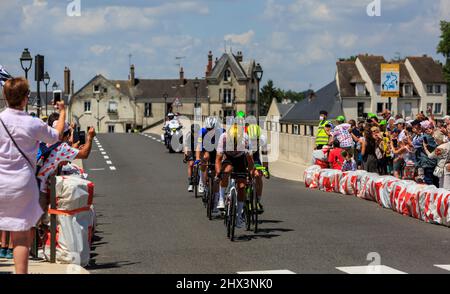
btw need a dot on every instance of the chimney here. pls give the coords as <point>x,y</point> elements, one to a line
<point>181,73</point>
<point>72,89</point>
<point>66,80</point>
<point>239,56</point>
<point>210,64</point>
<point>132,76</point>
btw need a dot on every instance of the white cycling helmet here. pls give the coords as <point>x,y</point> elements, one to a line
<point>211,122</point>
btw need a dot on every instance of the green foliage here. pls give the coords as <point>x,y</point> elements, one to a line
<point>444,49</point>
<point>269,91</point>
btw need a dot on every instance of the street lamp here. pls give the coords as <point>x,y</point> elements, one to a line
<point>26,61</point>
<point>165,96</point>
<point>196,85</point>
<point>258,74</point>
<point>46,83</point>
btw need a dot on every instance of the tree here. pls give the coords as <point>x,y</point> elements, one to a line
<point>268,92</point>
<point>444,49</point>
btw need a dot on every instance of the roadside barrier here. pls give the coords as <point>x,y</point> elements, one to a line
<point>424,202</point>
<point>71,218</point>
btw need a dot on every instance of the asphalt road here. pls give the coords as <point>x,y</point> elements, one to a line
<point>149,223</point>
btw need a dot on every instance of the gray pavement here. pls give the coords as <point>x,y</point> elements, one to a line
<point>149,223</point>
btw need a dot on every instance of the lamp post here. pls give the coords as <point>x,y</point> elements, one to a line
<point>196,85</point>
<point>46,83</point>
<point>26,61</point>
<point>258,74</point>
<point>165,96</point>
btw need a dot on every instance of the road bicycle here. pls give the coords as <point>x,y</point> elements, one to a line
<point>231,203</point>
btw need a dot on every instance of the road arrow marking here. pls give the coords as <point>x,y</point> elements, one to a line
<point>443,266</point>
<point>370,270</point>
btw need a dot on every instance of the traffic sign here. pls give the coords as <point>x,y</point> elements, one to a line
<point>390,80</point>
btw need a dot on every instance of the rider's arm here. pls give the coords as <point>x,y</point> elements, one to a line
<point>219,158</point>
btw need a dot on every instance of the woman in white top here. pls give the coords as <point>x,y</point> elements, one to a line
<point>20,135</point>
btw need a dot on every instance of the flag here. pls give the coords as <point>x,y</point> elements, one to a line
<point>4,75</point>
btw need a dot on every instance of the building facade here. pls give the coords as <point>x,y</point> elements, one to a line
<point>118,106</point>
<point>231,85</point>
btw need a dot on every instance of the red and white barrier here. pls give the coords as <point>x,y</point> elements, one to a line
<point>311,177</point>
<point>423,202</point>
<point>75,220</point>
<point>329,180</point>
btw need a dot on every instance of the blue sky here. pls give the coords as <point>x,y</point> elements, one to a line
<point>296,41</point>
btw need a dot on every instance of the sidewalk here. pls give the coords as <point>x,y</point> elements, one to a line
<point>43,268</point>
<point>287,170</point>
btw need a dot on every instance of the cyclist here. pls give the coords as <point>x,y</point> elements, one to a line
<point>206,147</point>
<point>233,155</point>
<point>258,146</point>
<point>189,147</point>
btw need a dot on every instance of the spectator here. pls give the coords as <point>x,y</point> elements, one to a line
<point>342,134</point>
<point>6,250</point>
<point>335,158</point>
<point>368,151</point>
<point>61,154</point>
<point>324,131</point>
<point>428,164</point>
<point>19,194</point>
<point>349,162</point>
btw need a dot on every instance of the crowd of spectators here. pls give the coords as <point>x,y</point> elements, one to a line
<point>411,148</point>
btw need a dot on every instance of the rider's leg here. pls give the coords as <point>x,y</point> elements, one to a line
<point>259,185</point>
<point>190,168</point>
<point>227,169</point>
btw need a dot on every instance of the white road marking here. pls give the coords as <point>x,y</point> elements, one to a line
<point>103,153</point>
<point>370,270</point>
<point>109,162</point>
<point>112,168</point>
<point>96,169</point>
<point>443,266</point>
<point>101,149</point>
<point>159,141</point>
<point>270,272</point>
<point>106,157</point>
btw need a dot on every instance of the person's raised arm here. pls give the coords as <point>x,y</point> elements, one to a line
<point>62,118</point>
<point>86,149</point>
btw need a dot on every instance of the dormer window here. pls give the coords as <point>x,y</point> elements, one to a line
<point>360,89</point>
<point>407,90</point>
<point>227,75</point>
<point>96,89</point>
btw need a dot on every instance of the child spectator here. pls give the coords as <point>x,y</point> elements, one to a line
<point>335,158</point>
<point>349,163</point>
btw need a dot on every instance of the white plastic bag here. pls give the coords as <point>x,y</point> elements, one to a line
<point>73,193</point>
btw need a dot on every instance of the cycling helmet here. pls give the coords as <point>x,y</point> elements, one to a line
<point>171,116</point>
<point>211,122</point>
<point>254,131</point>
<point>341,118</point>
<point>240,114</point>
<point>235,132</point>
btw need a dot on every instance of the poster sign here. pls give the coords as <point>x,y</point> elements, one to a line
<point>390,80</point>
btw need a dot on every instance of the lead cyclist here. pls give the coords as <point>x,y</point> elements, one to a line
<point>233,155</point>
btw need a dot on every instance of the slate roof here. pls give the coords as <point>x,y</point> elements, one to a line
<point>242,70</point>
<point>348,76</point>
<point>283,108</point>
<point>372,64</point>
<point>327,98</point>
<point>427,69</point>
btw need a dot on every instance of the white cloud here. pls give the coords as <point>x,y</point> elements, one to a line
<point>347,40</point>
<point>241,39</point>
<point>99,49</point>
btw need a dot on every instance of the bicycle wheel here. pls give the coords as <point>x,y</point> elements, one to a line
<point>233,212</point>
<point>195,177</point>
<point>255,207</point>
<point>248,213</point>
<point>210,204</point>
